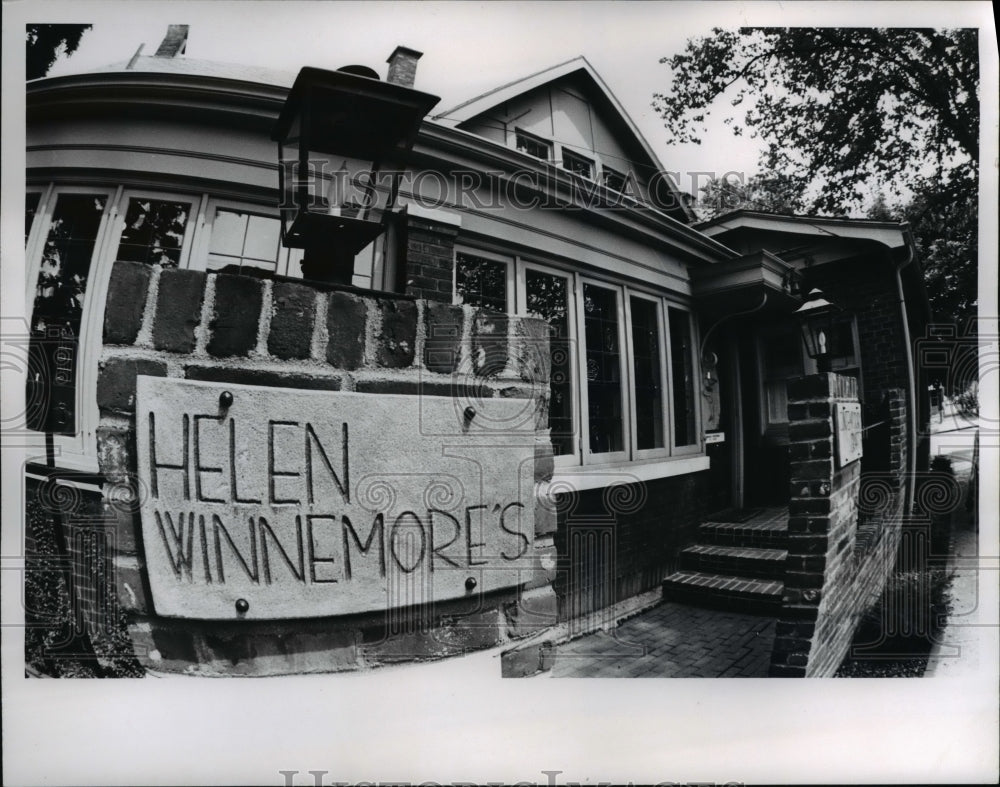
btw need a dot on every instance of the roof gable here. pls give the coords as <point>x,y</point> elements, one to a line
<point>569,106</point>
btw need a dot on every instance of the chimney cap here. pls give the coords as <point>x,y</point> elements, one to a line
<point>405,51</point>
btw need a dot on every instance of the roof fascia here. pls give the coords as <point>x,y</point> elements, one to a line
<point>445,146</point>
<point>890,234</point>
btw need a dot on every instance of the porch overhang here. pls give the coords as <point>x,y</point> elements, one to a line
<point>755,281</point>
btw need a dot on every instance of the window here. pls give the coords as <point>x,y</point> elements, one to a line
<point>615,180</point>
<point>154,231</point>
<point>244,239</point>
<point>647,373</point>
<point>623,371</point>
<point>532,145</point>
<point>481,281</point>
<point>57,312</point>
<point>577,164</point>
<point>547,296</point>
<point>604,369</point>
<point>682,377</point>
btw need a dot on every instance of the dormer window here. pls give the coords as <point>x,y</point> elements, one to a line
<point>615,180</point>
<point>532,145</point>
<point>577,164</point>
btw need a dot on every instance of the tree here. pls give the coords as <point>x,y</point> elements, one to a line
<point>848,112</point>
<point>769,192</point>
<point>46,42</point>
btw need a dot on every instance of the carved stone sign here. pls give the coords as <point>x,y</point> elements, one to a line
<point>848,432</point>
<point>264,503</point>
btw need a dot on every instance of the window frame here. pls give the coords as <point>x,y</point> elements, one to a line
<point>545,143</point>
<point>71,450</point>
<point>697,447</point>
<point>572,154</point>
<point>191,227</point>
<point>571,459</point>
<point>608,457</point>
<point>665,411</point>
<point>288,259</point>
<point>582,458</point>
<point>509,274</point>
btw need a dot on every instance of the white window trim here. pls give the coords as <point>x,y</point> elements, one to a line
<point>583,478</point>
<point>572,459</point>
<point>697,446</point>
<point>548,143</point>
<point>509,277</point>
<point>590,160</point>
<point>609,457</point>
<point>664,451</point>
<point>77,451</point>
<point>190,230</point>
<point>287,263</point>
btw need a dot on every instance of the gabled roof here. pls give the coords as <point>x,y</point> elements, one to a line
<point>579,65</point>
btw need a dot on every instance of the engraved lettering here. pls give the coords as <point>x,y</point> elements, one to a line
<point>378,526</point>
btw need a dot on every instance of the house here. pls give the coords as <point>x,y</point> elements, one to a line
<point>537,253</point>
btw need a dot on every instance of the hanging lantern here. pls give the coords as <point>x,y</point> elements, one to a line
<point>342,141</point>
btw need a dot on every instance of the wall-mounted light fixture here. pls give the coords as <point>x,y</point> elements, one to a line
<point>817,317</point>
<point>343,137</point>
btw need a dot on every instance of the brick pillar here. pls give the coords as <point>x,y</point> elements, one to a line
<point>430,258</point>
<point>818,613</point>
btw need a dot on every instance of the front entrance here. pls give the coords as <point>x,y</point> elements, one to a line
<point>769,357</point>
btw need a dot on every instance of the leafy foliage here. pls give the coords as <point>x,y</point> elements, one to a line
<point>46,42</point>
<point>771,192</point>
<point>845,113</point>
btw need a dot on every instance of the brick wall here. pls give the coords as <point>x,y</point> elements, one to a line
<point>242,330</point>
<point>834,572</point>
<point>430,258</point>
<point>623,539</point>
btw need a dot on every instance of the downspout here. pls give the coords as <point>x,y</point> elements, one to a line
<point>912,377</point>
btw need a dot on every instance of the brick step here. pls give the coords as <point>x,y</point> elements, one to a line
<point>761,535</point>
<point>738,594</point>
<point>735,561</point>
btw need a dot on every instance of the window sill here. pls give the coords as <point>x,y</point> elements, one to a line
<point>581,478</point>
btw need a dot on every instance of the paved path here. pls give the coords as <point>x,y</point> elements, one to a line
<point>672,640</point>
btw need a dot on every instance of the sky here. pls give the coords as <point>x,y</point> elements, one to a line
<point>469,47</point>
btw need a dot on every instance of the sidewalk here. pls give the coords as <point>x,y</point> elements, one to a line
<point>671,640</point>
<point>961,647</point>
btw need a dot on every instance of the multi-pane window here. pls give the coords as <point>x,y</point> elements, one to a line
<point>244,240</point>
<point>547,296</point>
<point>58,310</point>
<point>154,231</point>
<point>532,145</point>
<point>647,373</point>
<point>615,180</point>
<point>480,281</point>
<point>682,377</point>
<point>623,364</point>
<point>604,381</point>
<point>577,164</point>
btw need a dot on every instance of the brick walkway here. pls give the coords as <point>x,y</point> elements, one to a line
<point>672,640</point>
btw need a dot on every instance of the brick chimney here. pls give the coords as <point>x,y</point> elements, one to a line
<point>403,66</point>
<point>175,41</point>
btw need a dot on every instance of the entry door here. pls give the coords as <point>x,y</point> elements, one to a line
<point>774,355</point>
